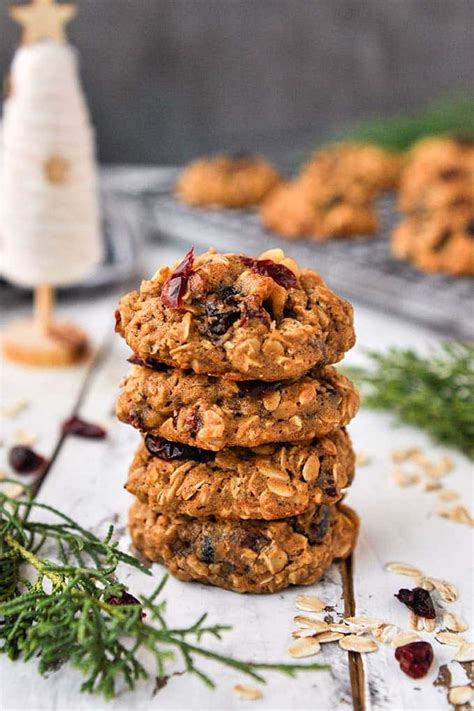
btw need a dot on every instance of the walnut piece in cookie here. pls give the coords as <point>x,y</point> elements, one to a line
<point>236,180</point>
<point>238,317</point>
<point>246,556</point>
<point>268,482</point>
<point>213,413</point>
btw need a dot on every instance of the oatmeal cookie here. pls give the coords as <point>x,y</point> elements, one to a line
<point>267,482</point>
<point>246,556</point>
<point>213,413</point>
<point>237,317</point>
<point>227,181</point>
<point>438,175</point>
<point>291,212</point>
<point>362,168</point>
<point>438,242</point>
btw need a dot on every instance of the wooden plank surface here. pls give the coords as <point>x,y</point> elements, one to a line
<point>86,480</point>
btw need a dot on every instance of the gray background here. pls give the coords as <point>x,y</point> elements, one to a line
<point>170,79</point>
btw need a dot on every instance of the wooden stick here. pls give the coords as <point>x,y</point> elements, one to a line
<point>44,302</point>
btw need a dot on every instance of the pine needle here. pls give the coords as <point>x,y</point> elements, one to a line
<point>400,132</point>
<point>435,393</point>
<point>60,602</point>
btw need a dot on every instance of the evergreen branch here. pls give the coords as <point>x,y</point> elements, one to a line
<point>71,608</point>
<point>435,393</point>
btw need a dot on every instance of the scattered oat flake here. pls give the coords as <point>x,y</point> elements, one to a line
<point>465,653</point>
<point>300,633</point>
<point>27,439</point>
<point>404,479</point>
<point>355,643</point>
<point>13,491</point>
<point>403,638</point>
<point>454,623</point>
<point>311,623</point>
<point>305,647</point>
<point>431,485</point>
<point>339,627</point>
<point>457,514</point>
<point>386,633</point>
<point>425,583</point>
<point>401,455</point>
<point>459,695</point>
<point>362,459</point>
<point>446,590</point>
<point>450,638</point>
<point>247,692</point>
<point>403,569</point>
<point>329,636</point>
<point>369,623</point>
<point>309,603</point>
<point>448,495</point>
<point>14,408</point>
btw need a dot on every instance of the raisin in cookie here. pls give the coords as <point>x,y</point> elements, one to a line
<point>237,317</point>
<point>438,242</point>
<point>267,482</point>
<point>246,556</point>
<point>291,212</point>
<point>214,413</point>
<point>227,181</point>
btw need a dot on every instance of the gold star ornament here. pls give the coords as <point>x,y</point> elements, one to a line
<point>43,19</point>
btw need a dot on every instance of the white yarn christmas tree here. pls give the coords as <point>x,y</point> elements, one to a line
<point>49,217</point>
<point>49,213</point>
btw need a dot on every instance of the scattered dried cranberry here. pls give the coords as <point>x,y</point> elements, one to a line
<point>147,362</point>
<point>419,601</point>
<point>173,290</point>
<point>81,428</point>
<point>25,461</point>
<point>222,310</point>
<point>258,387</point>
<point>124,599</point>
<point>164,449</point>
<point>266,267</point>
<point>415,658</point>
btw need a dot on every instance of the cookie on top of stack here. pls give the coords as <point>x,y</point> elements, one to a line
<point>244,457</point>
<point>437,197</point>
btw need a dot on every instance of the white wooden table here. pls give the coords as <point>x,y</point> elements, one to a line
<point>86,480</point>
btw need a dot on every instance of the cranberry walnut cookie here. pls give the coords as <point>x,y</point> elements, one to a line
<point>237,317</point>
<point>246,556</point>
<point>213,413</point>
<point>268,482</point>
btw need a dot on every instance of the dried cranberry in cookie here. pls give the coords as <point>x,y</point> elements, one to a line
<point>268,482</point>
<point>213,413</point>
<point>240,320</point>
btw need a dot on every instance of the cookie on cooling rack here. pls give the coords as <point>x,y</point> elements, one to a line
<point>439,242</point>
<point>237,180</point>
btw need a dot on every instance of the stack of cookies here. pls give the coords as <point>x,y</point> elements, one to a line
<point>437,197</point>
<point>244,457</point>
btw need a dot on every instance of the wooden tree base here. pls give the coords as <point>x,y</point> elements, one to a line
<point>62,343</point>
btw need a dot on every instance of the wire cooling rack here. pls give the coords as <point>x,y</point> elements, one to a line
<point>361,269</point>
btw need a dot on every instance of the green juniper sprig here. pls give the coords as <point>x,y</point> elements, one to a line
<point>435,393</point>
<point>70,607</point>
